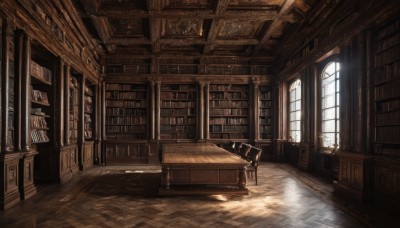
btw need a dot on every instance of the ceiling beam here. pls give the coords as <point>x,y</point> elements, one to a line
<point>283,13</point>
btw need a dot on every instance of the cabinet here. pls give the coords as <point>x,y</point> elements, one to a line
<point>88,108</point>
<point>229,111</point>
<point>178,111</point>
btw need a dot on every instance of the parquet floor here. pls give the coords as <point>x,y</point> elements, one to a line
<point>111,197</point>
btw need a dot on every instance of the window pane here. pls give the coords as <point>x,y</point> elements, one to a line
<point>330,68</point>
<point>330,88</point>
<point>298,93</point>
<point>328,114</point>
<point>328,126</point>
<point>329,102</point>
<point>292,126</point>
<point>292,106</point>
<point>298,105</point>
<point>337,99</point>
<point>328,139</point>
<point>298,115</point>
<point>297,136</point>
<point>298,125</point>
<point>337,86</point>
<point>337,125</point>
<point>292,116</point>
<point>292,95</point>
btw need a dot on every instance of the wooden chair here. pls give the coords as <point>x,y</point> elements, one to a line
<point>253,156</point>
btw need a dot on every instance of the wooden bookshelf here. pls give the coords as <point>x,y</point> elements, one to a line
<point>73,108</point>
<point>40,105</point>
<point>265,112</point>
<point>178,111</point>
<point>386,87</point>
<point>229,111</point>
<point>126,111</point>
<point>88,108</point>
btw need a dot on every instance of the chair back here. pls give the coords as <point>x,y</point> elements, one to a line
<point>254,155</point>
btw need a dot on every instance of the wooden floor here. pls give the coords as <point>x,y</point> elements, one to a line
<point>127,197</point>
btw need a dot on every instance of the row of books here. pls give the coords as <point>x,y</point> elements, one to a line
<point>265,96</point>
<point>178,112</point>
<point>388,72</point>
<point>37,111</point>
<point>265,112</point>
<point>88,100</point>
<point>39,136</point>
<point>243,88</point>
<point>266,135</point>
<point>132,136</point>
<point>387,90</point>
<point>388,106</point>
<point>229,129</point>
<point>177,96</point>
<point>126,129</point>
<point>389,134</point>
<point>123,112</point>
<point>389,56</point>
<point>229,96</point>
<point>127,151</point>
<point>126,104</point>
<point>178,87</point>
<point>178,128</point>
<point>88,134</point>
<point>125,87</point>
<point>230,120</point>
<point>229,136</point>
<point>87,118</point>
<point>39,96</point>
<point>178,120</point>
<point>88,108</point>
<point>88,91</point>
<point>228,104</point>
<point>73,134</point>
<point>38,122</point>
<point>389,30</point>
<point>265,129</point>
<point>265,121</point>
<point>178,104</point>
<point>229,112</point>
<point>128,120</point>
<point>73,124</point>
<point>265,104</point>
<point>125,95</point>
<point>388,42</point>
<point>388,118</point>
<point>40,72</point>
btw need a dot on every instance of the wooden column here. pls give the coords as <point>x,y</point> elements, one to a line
<point>158,100</point>
<point>97,124</point>
<point>207,110</point>
<point>346,99</point>
<point>201,112</point>
<point>19,69</point>
<point>280,118</point>
<point>66,104</point>
<point>26,169</point>
<point>59,103</point>
<point>360,140</point>
<point>152,110</point>
<point>255,108</point>
<point>81,123</point>
<point>103,122</point>
<point>5,86</point>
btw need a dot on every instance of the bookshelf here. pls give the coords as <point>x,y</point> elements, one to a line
<point>41,78</point>
<point>11,96</point>
<point>229,111</point>
<point>178,111</point>
<point>265,112</point>
<point>88,109</point>
<point>73,109</point>
<point>386,88</point>
<point>126,111</point>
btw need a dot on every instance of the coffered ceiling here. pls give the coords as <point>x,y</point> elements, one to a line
<point>248,28</point>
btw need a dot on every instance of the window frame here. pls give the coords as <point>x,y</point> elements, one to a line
<point>290,111</point>
<point>337,77</point>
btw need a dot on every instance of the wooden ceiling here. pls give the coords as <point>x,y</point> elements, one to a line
<point>243,28</point>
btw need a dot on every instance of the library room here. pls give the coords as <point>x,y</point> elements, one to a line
<point>199,113</point>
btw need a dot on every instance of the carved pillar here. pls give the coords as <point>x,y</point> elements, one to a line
<point>66,104</point>
<point>158,100</point>
<point>200,125</point>
<point>26,169</point>
<point>6,36</point>
<point>152,110</point>
<point>9,194</point>
<point>280,118</point>
<point>19,69</point>
<point>361,125</point>
<point>207,110</point>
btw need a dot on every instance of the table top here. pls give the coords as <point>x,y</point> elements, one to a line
<point>199,153</point>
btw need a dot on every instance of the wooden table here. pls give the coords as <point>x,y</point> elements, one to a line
<point>201,169</point>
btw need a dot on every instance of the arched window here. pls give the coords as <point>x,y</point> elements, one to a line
<point>330,105</point>
<point>295,111</point>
